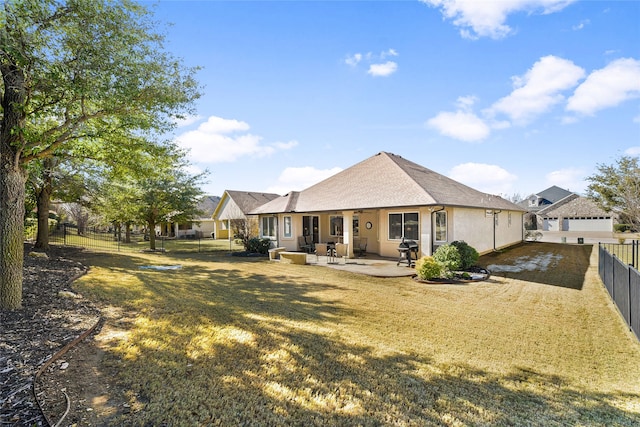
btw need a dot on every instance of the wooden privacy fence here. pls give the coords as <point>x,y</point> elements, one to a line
<point>622,281</point>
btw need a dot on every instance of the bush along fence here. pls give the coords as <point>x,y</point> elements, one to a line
<point>622,280</point>
<point>105,240</point>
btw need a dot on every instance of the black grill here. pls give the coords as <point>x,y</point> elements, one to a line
<point>407,251</point>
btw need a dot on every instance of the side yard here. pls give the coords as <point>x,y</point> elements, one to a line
<point>232,341</point>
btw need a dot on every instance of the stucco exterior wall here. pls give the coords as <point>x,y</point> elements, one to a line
<point>473,226</point>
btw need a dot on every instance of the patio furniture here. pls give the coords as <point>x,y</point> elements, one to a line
<point>323,249</point>
<point>304,245</point>
<point>342,250</point>
<point>360,246</point>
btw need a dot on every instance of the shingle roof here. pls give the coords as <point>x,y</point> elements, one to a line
<point>207,205</point>
<point>249,200</point>
<point>573,205</point>
<point>384,180</point>
<point>554,194</point>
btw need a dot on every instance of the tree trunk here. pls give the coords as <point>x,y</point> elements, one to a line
<point>12,186</point>
<point>127,234</point>
<point>152,235</point>
<point>12,182</point>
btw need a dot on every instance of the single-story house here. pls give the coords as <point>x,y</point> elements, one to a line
<point>203,225</point>
<point>384,199</point>
<point>235,206</point>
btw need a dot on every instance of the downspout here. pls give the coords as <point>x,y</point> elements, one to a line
<point>433,234</point>
<point>494,228</point>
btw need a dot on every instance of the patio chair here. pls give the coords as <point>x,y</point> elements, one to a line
<point>360,246</point>
<point>322,249</point>
<point>304,245</point>
<point>342,250</point>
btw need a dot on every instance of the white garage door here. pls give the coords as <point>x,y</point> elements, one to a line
<point>588,224</point>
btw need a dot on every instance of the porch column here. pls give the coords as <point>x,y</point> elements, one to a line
<point>347,233</point>
<point>425,232</point>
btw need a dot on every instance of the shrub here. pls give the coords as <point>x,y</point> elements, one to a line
<point>428,268</point>
<point>622,228</point>
<point>468,255</point>
<point>448,257</point>
<point>258,245</point>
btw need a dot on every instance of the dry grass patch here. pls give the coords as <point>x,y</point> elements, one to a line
<point>230,341</point>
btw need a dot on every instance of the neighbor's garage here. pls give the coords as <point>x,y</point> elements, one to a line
<point>583,223</point>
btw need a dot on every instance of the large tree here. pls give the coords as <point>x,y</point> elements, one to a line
<point>75,71</point>
<point>617,188</point>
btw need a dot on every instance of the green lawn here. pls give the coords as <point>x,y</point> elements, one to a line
<point>237,341</point>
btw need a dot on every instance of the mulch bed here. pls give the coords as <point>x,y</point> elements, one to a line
<point>52,316</point>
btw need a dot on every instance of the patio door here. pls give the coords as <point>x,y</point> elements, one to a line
<point>310,227</point>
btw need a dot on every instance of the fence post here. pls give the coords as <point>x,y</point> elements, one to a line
<point>64,234</point>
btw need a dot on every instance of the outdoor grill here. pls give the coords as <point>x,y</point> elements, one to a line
<point>406,249</point>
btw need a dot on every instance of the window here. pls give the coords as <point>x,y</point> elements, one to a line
<point>335,225</point>
<point>403,225</point>
<point>356,226</point>
<point>268,226</point>
<point>286,224</point>
<point>441,226</point>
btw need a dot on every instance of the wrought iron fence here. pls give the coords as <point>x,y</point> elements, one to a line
<point>622,280</point>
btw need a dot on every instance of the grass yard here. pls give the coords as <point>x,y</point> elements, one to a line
<point>238,341</point>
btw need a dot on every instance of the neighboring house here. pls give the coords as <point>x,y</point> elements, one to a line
<point>236,205</point>
<point>386,198</point>
<point>202,226</point>
<point>536,202</point>
<point>557,209</point>
<point>575,213</point>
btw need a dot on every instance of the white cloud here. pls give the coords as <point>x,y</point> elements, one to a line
<point>223,140</point>
<point>462,124</point>
<point>490,179</point>
<point>632,151</point>
<point>488,18</point>
<point>539,89</point>
<point>612,85</point>
<point>581,25</point>
<point>376,66</point>
<point>572,179</point>
<point>353,60</point>
<point>297,179</point>
<point>383,70</point>
<point>219,125</point>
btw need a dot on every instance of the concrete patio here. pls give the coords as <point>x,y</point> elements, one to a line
<point>371,265</point>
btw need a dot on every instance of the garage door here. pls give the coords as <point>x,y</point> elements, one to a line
<point>588,224</point>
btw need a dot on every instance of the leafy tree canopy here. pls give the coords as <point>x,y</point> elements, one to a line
<point>616,188</point>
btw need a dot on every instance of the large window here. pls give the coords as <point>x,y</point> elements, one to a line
<point>403,225</point>
<point>441,226</point>
<point>268,226</point>
<point>286,224</point>
<point>335,225</point>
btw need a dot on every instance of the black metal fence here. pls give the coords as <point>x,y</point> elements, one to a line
<point>114,240</point>
<point>622,280</point>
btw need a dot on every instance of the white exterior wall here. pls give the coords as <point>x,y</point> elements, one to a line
<point>509,229</point>
<point>474,227</point>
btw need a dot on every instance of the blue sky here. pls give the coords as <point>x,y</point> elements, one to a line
<point>508,97</point>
